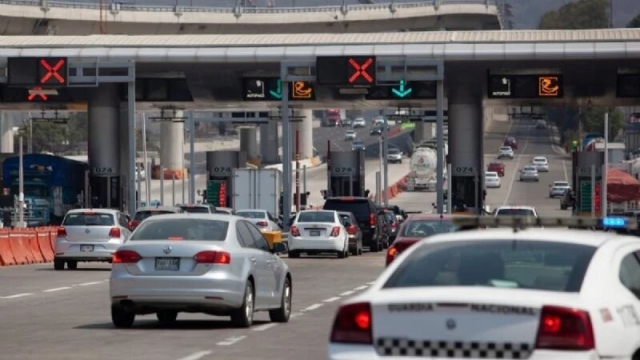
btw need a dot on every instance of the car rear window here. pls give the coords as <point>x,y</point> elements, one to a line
<point>89,219</point>
<point>423,228</point>
<point>505,148</point>
<point>141,215</point>
<point>251,214</point>
<point>316,216</point>
<point>526,264</point>
<point>181,229</point>
<point>515,212</point>
<point>358,207</point>
<point>196,209</point>
<point>529,168</point>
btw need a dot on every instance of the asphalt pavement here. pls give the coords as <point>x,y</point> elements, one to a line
<point>47,314</point>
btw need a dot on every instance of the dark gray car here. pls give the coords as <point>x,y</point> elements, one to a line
<point>350,223</point>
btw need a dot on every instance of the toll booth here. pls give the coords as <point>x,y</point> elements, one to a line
<point>587,182</point>
<point>105,190</point>
<point>467,191</point>
<point>220,165</point>
<point>346,173</point>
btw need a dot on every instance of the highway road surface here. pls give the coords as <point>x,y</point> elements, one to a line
<point>62,315</point>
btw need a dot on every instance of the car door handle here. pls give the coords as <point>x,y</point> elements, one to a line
<point>270,261</point>
<point>253,260</point>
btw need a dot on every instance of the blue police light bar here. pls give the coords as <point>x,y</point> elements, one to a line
<point>614,222</point>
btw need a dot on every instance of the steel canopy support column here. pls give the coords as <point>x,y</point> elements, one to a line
<point>305,128</point>
<point>172,146</point>
<point>440,162</point>
<point>6,134</point>
<point>249,142</point>
<point>286,156</point>
<point>269,144</point>
<point>465,136</point>
<point>422,132</point>
<point>131,122</point>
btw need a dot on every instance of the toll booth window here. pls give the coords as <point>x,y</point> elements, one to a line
<point>141,215</point>
<point>182,229</point>
<point>464,191</point>
<point>317,217</point>
<point>94,219</point>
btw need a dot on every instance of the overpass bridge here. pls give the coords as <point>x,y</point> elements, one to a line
<point>144,17</point>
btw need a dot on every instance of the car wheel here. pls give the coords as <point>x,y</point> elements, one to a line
<point>121,318</point>
<point>243,316</point>
<point>58,264</point>
<point>167,316</point>
<point>562,207</point>
<point>294,254</point>
<point>72,265</point>
<point>375,246</point>
<point>283,313</point>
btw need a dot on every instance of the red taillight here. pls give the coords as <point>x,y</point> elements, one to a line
<point>392,252</point>
<point>62,232</point>
<point>133,224</point>
<point>352,230</point>
<point>403,245</point>
<point>126,257</point>
<point>394,224</point>
<point>352,324</point>
<point>114,232</point>
<point>372,219</point>
<point>294,231</point>
<point>335,231</point>
<point>262,223</point>
<point>212,257</point>
<point>565,329</point>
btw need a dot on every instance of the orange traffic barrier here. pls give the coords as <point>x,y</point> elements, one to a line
<point>42,236</point>
<point>20,248</point>
<point>34,247</point>
<point>6,255</point>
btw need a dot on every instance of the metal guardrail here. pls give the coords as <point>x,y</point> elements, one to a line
<point>115,6</point>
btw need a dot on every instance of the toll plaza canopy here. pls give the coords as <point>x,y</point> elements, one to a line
<point>621,186</point>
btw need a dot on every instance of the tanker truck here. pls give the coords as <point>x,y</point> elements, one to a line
<point>423,170</point>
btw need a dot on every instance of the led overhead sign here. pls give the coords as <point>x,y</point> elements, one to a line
<point>404,91</point>
<point>270,89</point>
<point>48,72</point>
<point>346,70</point>
<point>548,86</point>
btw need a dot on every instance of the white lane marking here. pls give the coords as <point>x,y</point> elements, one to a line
<point>331,299</point>
<point>196,356</point>
<point>230,341</point>
<point>295,315</point>
<point>57,289</point>
<point>347,293</point>
<point>360,288</point>
<point>264,327</point>
<point>312,307</point>
<point>371,283</point>
<point>564,167</point>
<point>516,172</point>
<point>91,283</point>
<point>17,296</point>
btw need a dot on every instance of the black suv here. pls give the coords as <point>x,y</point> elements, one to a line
<point>367,215</point>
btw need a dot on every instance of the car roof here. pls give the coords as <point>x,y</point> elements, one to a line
<point>540,158</point>
<point>159,208</point>
<point>198,216</point>
<point>82,211</point>
<point>434,217</point>
<point>496,163</point>
<point>194,205</point>
<point>254,210</point>
<point>567,236</point>
<point>491,172</point>
<point>515,207</point>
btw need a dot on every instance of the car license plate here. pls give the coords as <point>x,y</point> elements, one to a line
<point>315,232</point>
<point>86,248</point>
<point>168,264</point>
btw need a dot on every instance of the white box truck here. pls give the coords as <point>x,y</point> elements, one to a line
<point>257,189</point>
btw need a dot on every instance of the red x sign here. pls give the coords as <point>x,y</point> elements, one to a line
<point>52,73</point>
<point>33,95</point>
<point>360,71</point>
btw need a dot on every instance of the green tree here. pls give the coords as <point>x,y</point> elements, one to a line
<point>594,121</point>
<point>583,14</point>
<point>635,22</point>
<point>54,136</point>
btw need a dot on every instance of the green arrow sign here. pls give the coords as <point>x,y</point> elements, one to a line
<point>402,91</point>
<point>278,92</point>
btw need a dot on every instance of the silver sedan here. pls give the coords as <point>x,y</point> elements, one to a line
<point>200,263</point>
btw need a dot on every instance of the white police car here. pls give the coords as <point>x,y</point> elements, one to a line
<point>502,293</point>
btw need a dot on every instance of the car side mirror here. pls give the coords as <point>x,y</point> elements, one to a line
<point>279,247</point>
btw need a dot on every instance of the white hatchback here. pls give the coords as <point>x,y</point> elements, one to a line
<point>318,231</point>
<point>541,163</point>
<point>505,152</point>
<point>491,179</point>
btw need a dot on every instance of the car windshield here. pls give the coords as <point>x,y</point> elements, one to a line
<point>358,143</point>
<point>491,175</point>
<point>393,151</point>
<point>251,214</point>
<point>196,209</point>
<point>141,215</point>
<point>88,219</point>
<point>539,265</point>
<point>350,132</point>
<point>540,160</point>
<point>506,148</point>
<point>316,217</point>
<point>515,212</point>
<point>390,216</point>
<point>423,228</point>
<point>530,169</point>
<point>181,229</point>
<point>495,165</point>
<point>561,184</point>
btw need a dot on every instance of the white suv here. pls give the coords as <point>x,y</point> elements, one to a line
<point>505,152</point>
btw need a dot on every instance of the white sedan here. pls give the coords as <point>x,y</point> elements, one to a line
<point>491,179</point>
<point>318,231</point>
<point>505,152</point>
<point>540,163</point>
<point>532,294</point>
